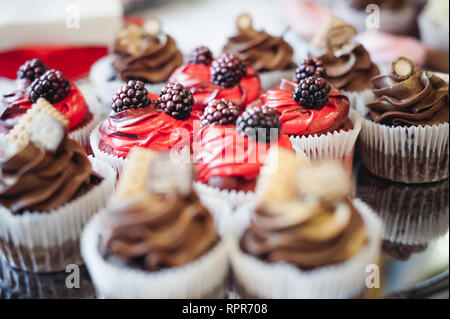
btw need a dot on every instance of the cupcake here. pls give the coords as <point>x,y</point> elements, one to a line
<point>404,137</point>
<point>305,238</point>
<point>139,53</point>
<point>393,16</point>
<point>433,24</point>
<point>225,77</point>
<point>348,65</point>
<point>36,80</point>
<point>155,240</point>
<point>270,56</point>
<point>49,188</point>
<point>142,119</point>
<point>314,115</point>
<point>414,214</point>
<point>230,150</point>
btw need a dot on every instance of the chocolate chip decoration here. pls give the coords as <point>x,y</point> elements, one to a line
<point>401,69</point>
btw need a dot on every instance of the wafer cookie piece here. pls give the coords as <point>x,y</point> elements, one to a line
<point>327,181</point>
<point>133,179</point>
<point>19,133</point>
<point>276,177</point>
<point>47,132</point>
<point>320,39</point>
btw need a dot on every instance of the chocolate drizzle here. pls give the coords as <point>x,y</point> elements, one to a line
<point>263,51</point>
<point>37,180</point>
<point>140,56</point>
<point>154,232</point>
<point>422,99</point>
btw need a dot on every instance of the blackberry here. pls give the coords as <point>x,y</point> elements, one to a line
<point>31,70</point>
<point>312,92</point>
<point>52,85</point>
<point>176,101</point>
<point>256,123</point>
<point>227,70</point>
<point>309,67</point>
<point>201,55</point>
<point>131,95</point>
<point>220,112</point>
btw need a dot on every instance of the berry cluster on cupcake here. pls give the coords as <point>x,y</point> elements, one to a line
<point>230,149</point>
<point>225,77</point>
<point>405,134</point>
<point>142,119</point>
<point>268,55</point>
<point>140,52</point>
<point>49,188</point>
<point>303,237</point>
<point>36,80</point>
<point>314,114</point>
<point>156,239</point>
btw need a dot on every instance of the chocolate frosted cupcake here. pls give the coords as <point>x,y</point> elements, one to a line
<point>270,56</point>
<point>156,240</point>
<point>139,53</point>
<point>414,214</point>
<point>47,185</point>
<point>405,138</point>
<point>306,238</point>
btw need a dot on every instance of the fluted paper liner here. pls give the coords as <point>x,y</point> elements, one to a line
<point>49,241</point>
<point>285,281</point>
<point>232,197</point>
<point>223,212</point>
<point>201,278</point>
<point>81,135</point>
<point>338,145</point>
<point>118,162</point>
<point>102,70</point>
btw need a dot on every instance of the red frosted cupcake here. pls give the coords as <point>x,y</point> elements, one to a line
<point>314,115</point>
<point>225,77</point>
<point>142,119</point>
<point>230,150</point>
<point>36,80</point>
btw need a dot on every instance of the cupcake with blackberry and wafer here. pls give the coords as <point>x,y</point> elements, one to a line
<point>303,237</point>
<point>315,115</point>
<point>230,149</point>
<point>140,52</point>
<point>404,134</point>
<point>36,80</point>
<point>270,56</point>
<point>49,188</point>
<point>225,77</point>
<point>142,119</point>
<point>155,239</point>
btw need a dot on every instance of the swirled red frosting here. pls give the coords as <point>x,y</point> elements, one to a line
<point>220,151</point>
<point>145,127</point>
<point>196,77</point>
<point>14,105</point>
<point>297,120</point>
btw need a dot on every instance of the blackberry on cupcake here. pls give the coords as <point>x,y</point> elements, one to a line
<point>176,101</point>
<point>309,67</point>
<point>31,70</point>
<point>131,95</point>
<point>52,85</point>
<point>222,112</point>
<point>227,70</point>
<point>201,55</point>
<point>259,120</point>
<point>312,92</point>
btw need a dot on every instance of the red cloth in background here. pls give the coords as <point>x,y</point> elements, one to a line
<point>74,62</point>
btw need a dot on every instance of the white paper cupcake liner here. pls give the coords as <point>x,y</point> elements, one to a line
<point>81,135</point>
<point>101,71</point>
<point>338,145</point>
<point>202,278</point>
<point>416,154</point>
<point>284,281</point>
<point>400,21</point>
<point>49,241</point>
<point>222,211</point>
<point>233,198</point>
<point>271,78</point>
<point>117,162</point>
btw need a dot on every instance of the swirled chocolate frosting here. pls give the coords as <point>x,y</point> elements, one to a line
<point>263,51</point>
<point>155,232</point>
<point>38,180</point>
<point>308,236</point>
<point>140,56</point>
<point>349,68</point>
<point>421,99</point>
